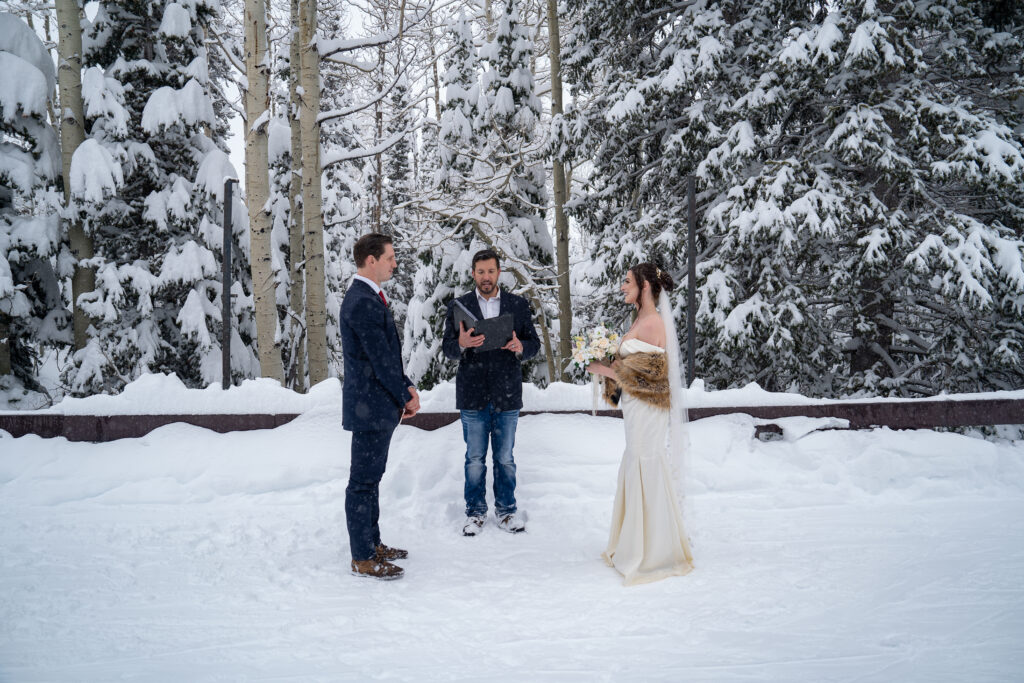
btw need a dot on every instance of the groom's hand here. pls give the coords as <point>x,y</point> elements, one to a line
<point>467,339</point>
<point>413,406</point>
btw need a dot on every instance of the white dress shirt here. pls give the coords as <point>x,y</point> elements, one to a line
<point>490,308</point>
<point>376,287</point>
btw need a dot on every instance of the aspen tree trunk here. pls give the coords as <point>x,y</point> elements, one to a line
<point>561,222</point>
<point>433,67</point>
<point>257,188</point>
<point>378,164</point>
<point>378,160</point>
<point>72,134</point>
<point>550,356</point>
<point>55,99</point>
<point>489,19</point>
<point>295,251</point>
<point>312,218</point>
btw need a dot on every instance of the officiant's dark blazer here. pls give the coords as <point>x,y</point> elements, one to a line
<point>375,387</point>
<point>494,377</point>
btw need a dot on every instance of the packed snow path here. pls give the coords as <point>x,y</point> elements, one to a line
<point>192,556</point>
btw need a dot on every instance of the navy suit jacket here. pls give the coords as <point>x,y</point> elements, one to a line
<point>494,377</point>
<point>375,389</point>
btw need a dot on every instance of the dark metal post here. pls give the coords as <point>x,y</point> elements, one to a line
<point>225,297</point>
<point>691,281</point>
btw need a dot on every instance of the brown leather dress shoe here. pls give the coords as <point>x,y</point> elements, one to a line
<point>388,554</point>
<point>375,569</point>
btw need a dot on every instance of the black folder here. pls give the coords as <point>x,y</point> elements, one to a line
<point>497,331</point>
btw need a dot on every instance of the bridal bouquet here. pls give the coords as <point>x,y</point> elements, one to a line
<point>597,345</point>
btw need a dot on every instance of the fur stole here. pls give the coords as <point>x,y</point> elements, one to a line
<point>643,376</point>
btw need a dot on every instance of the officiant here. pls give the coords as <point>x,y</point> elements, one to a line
<point>490,332</point>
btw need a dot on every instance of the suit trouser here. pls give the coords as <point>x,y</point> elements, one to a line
<point>362,509</point>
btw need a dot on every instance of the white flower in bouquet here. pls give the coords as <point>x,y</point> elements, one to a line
<point>598,344</point>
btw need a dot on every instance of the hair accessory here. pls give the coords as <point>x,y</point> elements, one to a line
<point>659,272</point>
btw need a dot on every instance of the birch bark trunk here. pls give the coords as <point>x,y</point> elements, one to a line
<point>296,279</point>
<point>257,188</point>
<point>312,200</point>
<point>72,134</point>
<point>560,192</point>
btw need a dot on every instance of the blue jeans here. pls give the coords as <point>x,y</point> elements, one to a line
<point>500,427</point>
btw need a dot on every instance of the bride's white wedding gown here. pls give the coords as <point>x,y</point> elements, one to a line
<point>647,540</point>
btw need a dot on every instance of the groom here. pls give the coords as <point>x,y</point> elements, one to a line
<point>375,397</point>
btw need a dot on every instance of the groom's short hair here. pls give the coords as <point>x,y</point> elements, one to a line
<point>486,255</point>
<point>369,245</point>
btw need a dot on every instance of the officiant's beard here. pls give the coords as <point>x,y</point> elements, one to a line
<point>486,288</point>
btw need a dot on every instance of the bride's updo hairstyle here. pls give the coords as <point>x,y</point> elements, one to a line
<point>656,277</point>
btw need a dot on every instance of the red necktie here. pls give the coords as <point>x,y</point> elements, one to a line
<point>381,293</point>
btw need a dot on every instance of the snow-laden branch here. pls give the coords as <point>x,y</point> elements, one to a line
<point>328,47</point>
<point>362,106</point>
<point>218,40</point>
<point>338,157</point>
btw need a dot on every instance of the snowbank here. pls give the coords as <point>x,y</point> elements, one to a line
<point>165,394</point>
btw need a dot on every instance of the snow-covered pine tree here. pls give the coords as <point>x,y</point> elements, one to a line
<point>459,142</point>
<point>770,331</point>
<point>33,314</point>
<point>443,244</point>
<point>398,176</point>
<point>279,152</point>
<point>859,177</point>
<point>884,214</point>
<point>426,168</point>
<point>513,173</point>
<point>649,83</point>
<point>344,185</point>
<point>150,111</point>
<point>398,187</point>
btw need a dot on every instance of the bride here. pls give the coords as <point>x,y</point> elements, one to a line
<point>647,540</point>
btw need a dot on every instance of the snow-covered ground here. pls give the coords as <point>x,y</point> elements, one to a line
<point>192,556</point>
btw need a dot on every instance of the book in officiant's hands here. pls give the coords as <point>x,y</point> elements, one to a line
<point>497,331</point>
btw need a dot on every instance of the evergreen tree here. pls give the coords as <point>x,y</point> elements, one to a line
<point>158,241</point>
<point>859,176</point>
<point>399,181</point>
<point>344,186</point>
<point>885,222</point>
<point>398,185</point>
<point>512,220</point>
<point>443,246</point>
<point>280,155</point>
<point>509,114</point>
<point>33,314</point>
